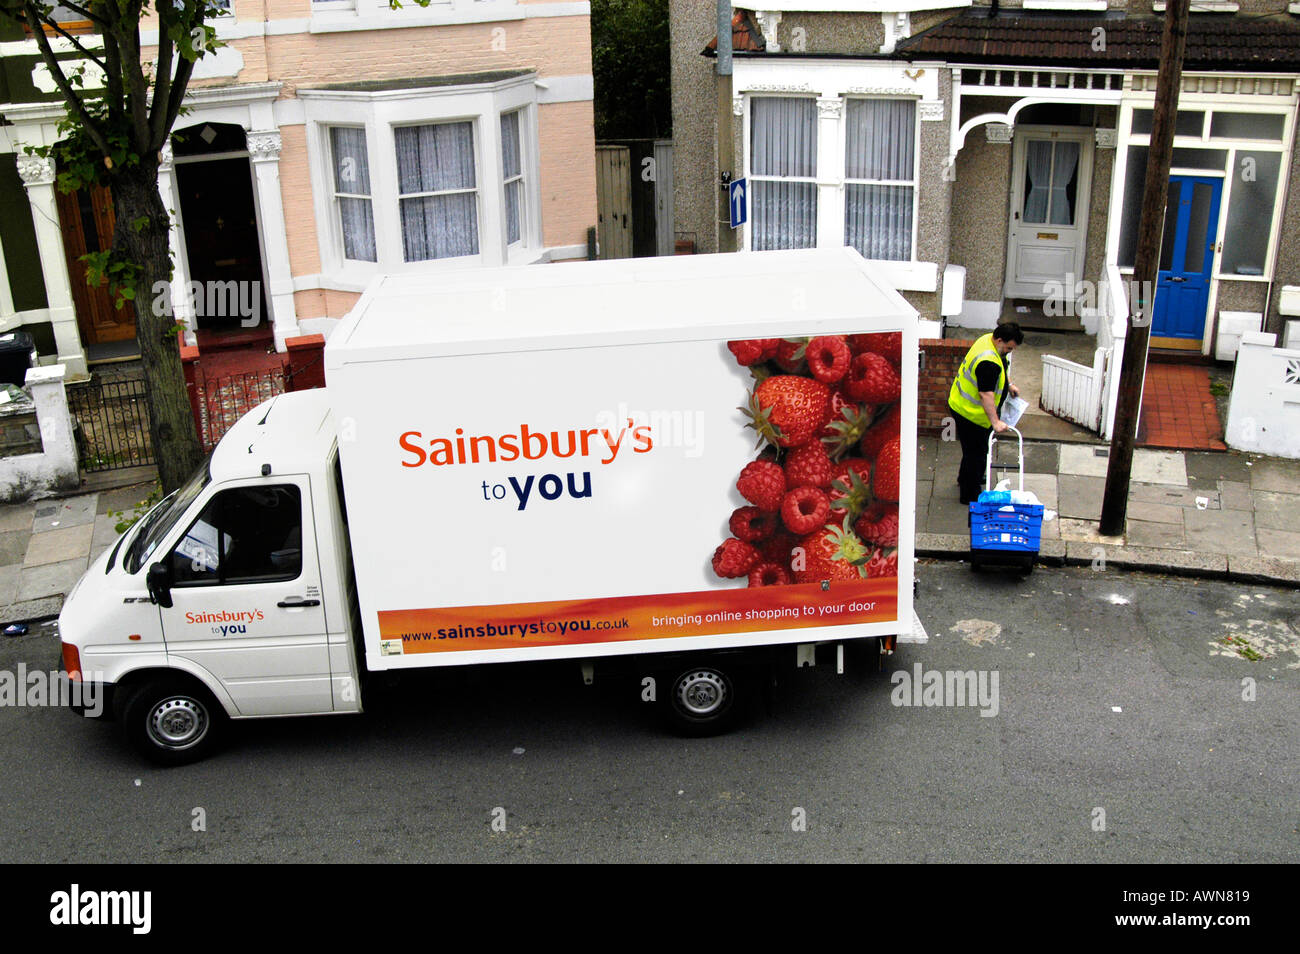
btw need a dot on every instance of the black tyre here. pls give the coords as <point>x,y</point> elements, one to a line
<point>703,699</point>
<point>172,721</point>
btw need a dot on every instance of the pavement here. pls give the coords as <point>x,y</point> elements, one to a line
<point>1226,515</point>
<point>45,545</point>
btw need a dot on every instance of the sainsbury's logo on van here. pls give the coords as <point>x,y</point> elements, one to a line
<point>226,616</point>
<point>524,444</point>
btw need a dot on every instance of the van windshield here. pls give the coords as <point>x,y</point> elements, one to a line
<point>158,521</point>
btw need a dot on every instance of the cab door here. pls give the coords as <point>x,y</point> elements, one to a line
<point>246,598</point>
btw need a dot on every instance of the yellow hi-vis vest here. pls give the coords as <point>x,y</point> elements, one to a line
<point>964,398</point>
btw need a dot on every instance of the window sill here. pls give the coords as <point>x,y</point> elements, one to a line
<point>343,21</point>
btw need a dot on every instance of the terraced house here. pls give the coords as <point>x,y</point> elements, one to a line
<point>989,154</point>
<point>327,141</point>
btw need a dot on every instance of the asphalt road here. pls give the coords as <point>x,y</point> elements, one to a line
<point>1116,692</point>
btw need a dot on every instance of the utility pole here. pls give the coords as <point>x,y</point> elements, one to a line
<point>1114,505</point>
<point>726,147</point>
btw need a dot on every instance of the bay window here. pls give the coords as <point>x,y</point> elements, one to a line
<point>864,191</point>
<point>414,177</point>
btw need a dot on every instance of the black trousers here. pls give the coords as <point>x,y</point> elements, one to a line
<point>974,456</point>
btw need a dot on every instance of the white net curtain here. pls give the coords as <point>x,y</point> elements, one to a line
<point>879,164</point>
<point>512,175</point>
<point>352,192</point>
<point>1050,169</point>
<point>438,190</point>
<point>783,166</point>
<point>879,175</point>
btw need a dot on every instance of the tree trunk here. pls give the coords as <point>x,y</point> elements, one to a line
<point>171,422</point>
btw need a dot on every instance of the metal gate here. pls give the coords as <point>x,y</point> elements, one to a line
<point>111,414</point>
<point>614,201</point>
<point>221,401</point>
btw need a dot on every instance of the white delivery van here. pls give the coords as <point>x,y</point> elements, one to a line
<point>704,463</point>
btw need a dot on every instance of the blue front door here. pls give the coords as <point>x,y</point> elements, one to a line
<point>1186,257</point>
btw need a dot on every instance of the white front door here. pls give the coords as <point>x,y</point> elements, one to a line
<point>246,598</point>
<point>1051,181</point>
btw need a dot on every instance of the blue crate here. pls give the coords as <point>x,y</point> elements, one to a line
<point>1016,527</point>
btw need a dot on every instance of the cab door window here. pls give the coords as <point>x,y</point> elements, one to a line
<point>243,535</point>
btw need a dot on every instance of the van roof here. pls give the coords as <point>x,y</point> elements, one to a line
<point>291,432</point>
<point>625,301</point>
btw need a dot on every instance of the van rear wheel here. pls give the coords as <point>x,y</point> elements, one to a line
<point>703,699</point>
<point>172,721</point>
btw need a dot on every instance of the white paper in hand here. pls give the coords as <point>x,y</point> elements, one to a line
<point>1012,408</point>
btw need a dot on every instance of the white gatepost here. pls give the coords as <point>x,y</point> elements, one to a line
<point>37,174</point>
<point>1264,410</point>
<point>264,152</point>
<point>180,283</point>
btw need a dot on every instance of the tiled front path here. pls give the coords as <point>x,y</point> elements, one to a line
<point>1178,410</point>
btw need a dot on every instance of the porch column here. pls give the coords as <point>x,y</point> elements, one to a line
<point>181,303</point>
<point>37,174</point>
<point>830,198</point>
<point>264,151</point>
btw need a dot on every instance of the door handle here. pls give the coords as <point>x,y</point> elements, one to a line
<point>296,602</point>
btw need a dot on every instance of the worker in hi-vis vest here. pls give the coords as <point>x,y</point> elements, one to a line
<point>976,397</point>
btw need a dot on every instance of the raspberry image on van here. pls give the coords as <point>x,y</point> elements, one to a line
<point>820,500</point>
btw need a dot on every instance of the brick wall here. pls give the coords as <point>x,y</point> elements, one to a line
<point>942,359</point>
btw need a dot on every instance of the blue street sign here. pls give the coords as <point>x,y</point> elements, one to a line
<point>738,204</point>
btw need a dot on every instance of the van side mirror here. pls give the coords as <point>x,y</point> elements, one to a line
<point>159,582</point>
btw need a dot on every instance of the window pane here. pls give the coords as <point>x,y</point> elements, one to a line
<point>358,222</point>
<point>1038,181</point>
<point>1170,232</point>
<point>1198,227</point>
<point>1247,126</point>
<point>1186,123</point>
<point>878,221</point>
<point>434,158</point>
<point>514,203</point>
<point>431,159</point>
<point>352,176</point>
<point>784,215</point>
<point>439,226</point>
<point>1065,183</point>
<point>880,139</point>
<point>351,161</point>
<point>248,535</point>
<point>784,137</point>
<point>511,167</point>
<point>510,159</point>
<point>1199,159</point>
<point>1250,212</point>
<point>1131,211</point>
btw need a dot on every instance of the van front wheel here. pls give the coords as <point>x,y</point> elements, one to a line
<point>172,722</point>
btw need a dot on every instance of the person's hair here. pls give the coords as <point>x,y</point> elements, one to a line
<point>1009,331</point>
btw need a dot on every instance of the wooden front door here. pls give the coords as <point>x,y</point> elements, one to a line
<point>87,220</point>
<point>1051,181</point>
